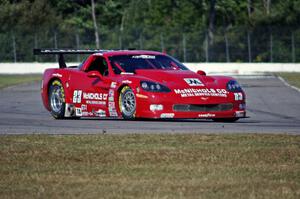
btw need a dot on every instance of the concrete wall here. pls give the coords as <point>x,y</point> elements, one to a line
<point>209,68</point>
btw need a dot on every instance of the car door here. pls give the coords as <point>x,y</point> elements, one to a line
<point>90,88</point>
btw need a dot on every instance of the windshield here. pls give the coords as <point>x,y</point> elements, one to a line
<point>129,63</point>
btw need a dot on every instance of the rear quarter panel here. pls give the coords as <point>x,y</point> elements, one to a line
<point>55,74</point>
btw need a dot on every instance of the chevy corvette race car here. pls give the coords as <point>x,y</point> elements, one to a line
<point>137,84</point>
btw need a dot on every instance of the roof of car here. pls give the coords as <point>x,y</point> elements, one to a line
<point>129,52</point>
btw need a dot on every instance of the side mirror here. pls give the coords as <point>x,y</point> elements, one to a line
<point>201,72</point>
<point>94,74</point>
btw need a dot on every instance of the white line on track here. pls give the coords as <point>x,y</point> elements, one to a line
<point>287,84</point>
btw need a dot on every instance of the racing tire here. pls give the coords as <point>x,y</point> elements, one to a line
<point>127,103</point>
<point>56,97</point>
<point>228,120</point>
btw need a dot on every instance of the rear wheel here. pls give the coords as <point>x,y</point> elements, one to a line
<point>127,103</point>
<point>232,119</point>
<point>57,99</point>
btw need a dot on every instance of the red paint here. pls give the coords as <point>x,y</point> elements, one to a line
<point>74,79</point>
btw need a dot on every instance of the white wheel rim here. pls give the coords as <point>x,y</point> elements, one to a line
<point>56,99</point>
<point>128,103</point>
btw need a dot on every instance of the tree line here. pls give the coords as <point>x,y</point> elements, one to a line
<point>190,30</point>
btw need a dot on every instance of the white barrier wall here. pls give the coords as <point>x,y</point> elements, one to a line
<point>209,68</point>
<point>243,68</point>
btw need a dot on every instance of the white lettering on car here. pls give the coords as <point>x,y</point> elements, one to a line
<point>94,96</point>
<point>207,115</point>
<point>167,115</point>
<point>205,92</point>
<point>57,75</point>
<point>91,98</point>
<point>93,102</point>
<point>143,57</point>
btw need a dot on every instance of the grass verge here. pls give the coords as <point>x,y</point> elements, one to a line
<point>10,80</point>
<point>150,166</point>
<point>291,78</point>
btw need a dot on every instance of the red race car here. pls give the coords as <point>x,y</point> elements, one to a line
<point>137,84</point>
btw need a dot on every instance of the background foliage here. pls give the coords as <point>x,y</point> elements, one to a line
<point>190,30</point>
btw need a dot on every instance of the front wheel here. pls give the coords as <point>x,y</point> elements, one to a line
<point>57,100</point>
<point>127,103</point>
<point>229,120</point>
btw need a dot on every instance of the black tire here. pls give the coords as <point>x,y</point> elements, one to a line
<point>56,98</point>
<point>127,103</point>
<point>228,120</point>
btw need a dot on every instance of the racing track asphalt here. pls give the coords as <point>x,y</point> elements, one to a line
<point>272,106</point>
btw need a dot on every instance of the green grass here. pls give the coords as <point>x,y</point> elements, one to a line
<point>150,166</point>
<point>291,78</point>
<point>10,80</point>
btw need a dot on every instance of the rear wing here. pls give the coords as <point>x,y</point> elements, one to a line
<point>61,52</point>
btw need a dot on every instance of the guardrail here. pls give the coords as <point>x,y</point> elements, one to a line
<point>209,68</point>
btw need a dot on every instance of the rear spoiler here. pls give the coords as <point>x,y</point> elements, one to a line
<point>61,52</point>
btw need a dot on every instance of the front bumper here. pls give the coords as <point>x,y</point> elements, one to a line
<point>167,107</point>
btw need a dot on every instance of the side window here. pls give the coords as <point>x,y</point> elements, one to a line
<point>99,64</point>
<point>115,68</point>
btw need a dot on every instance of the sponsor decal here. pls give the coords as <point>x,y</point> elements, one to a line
<point>126,82</point>
<point>57,75</point>
<point>207,115</point>
<point>100,113</point>
<point>111,95</point>
<point>83,107</point>
<point>240,113</point>
<point>78,111</point>
<point>205,92</point>
<point>111,99</point>
<point>95,102</point>
<point>143,57</point>
<point>193,82</point>
<point>94,96</point>
<point>113,113</point>
<point>238,96</point>
<point>111,104</point>
<point>91,98</point>
<point>167,115</point>
<point>87,114</point>
<point>113,85</point>
<point>77,96</point>
<point>69,110</point>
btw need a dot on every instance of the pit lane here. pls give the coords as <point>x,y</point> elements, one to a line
<point>272,106</point>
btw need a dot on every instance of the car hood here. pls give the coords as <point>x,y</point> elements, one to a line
<point>180,78</point>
